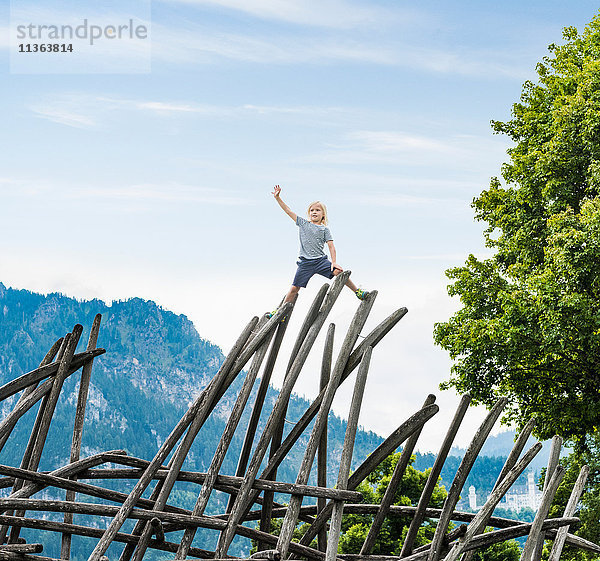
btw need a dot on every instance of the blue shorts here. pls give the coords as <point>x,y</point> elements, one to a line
<point>309,267</point>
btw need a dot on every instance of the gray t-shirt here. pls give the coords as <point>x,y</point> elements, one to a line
<point>312,238</point>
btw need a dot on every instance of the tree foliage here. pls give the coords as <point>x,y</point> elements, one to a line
<point>391,536</point>
<point>529,326</point>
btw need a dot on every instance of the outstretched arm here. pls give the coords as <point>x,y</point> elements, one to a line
<point>276,193</point>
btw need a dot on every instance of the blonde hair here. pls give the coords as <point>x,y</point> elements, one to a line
<point>324,221</point>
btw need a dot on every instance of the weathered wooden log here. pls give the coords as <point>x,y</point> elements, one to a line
<point>65,471</point>
<point>84,384</point>
<point>429,487</point>
<point>311,316</point>
<point>479,522</point>
<point>461,476</point>
<point>356,326</point>
<point>301,425</point>
<point>201,402</point>
<point>30,379</point>
<point>390,492</point>
<point>38,436</point>
<point>18,556</point>
<point>322,450</point>
<point>333,537</point>
<point>404,431</point>
<point>510,462</point>
<point>229,483</point>
<point>32,394</point>
<point>61,527</point>
<point>537,526</point>
<point>262,338</point>
<point>268,554</point>
<point>241,503</point>
<point>261,394</point>
<point>22,547</point>
<point>370,340</point>
<point>45,480</point>
<point>561,535</point>
<point>222,447</point>
<point>458,516</point>
<point>553,458</point>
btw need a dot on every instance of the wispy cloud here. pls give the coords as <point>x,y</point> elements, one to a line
<point>160,193</point>
<point>63,115</point>
<point>408,149</point>
<point>163,193</point>
<point>205,45</point>
<point>81,110</point>
<point>326,13</point>
<point>200,44</point>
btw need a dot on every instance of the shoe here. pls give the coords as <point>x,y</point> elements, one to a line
<point>271,314</point>
<point>361,294</point>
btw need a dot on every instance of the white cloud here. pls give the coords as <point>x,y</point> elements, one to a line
<point>63,116</point>
<point>325,13</point>
<point>172,192</point>
<point>176,193</point>
<point>204,45</point>
<point>81,110</point>
<point>408,149</point>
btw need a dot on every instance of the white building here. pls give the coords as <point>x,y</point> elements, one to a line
<point>530,497</point>
<point>518,497</point>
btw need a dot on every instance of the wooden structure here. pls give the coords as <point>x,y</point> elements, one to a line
<point>251,489</point>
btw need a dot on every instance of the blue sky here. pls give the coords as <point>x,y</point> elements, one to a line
<point>158,184</point>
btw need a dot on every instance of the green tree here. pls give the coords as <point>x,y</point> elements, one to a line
<point>391,536</point>
<point>355,527</point>
<point>529,326</point>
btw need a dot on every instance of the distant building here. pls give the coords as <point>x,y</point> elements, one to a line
<point>523,497</point>
<point>518,497</point>
<point>472,498</point>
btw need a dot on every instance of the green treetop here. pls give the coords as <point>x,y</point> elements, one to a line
<point>529,326</point>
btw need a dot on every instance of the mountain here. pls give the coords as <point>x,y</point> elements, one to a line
<point>156,364</point>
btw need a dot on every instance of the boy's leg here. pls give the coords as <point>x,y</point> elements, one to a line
<point>351,285</point>
<point>292,294</point>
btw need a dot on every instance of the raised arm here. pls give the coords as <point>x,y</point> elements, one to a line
<point>276,193</point>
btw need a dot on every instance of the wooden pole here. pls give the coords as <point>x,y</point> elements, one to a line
<point>195,416</point>
<point>267,507</point>
<point>404,431</point>
<point>46,369</point>
<point>438,464</point>
<point>241,502</point>
<point>461,476</point>
<point>223,446</point>
<point>333,537</point>
<point>561,535</point>
<point>552,463</point>
<point>46,412</point>
<point>322,451</point>
<point>478,523</point>
<point>297,430</point>
<point>260,399</point>
<point>390,492</point>
<point>84,384</point>
<point>356,326</point>
<point>537,526</point>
